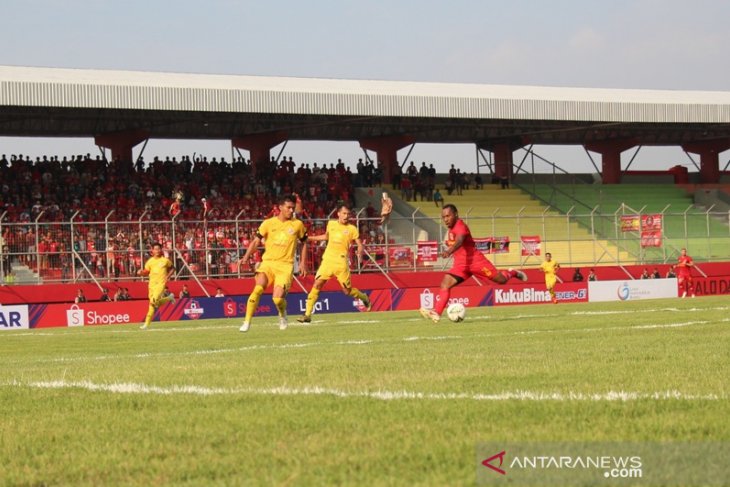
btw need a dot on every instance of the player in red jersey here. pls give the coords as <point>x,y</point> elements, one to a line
<point>684,273</point>
<point>468,261</point>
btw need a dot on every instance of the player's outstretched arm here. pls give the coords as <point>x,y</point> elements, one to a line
<point>318,238</point>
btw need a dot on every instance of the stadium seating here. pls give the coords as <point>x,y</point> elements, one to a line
<point>499,212</point>
<point>684,224</point>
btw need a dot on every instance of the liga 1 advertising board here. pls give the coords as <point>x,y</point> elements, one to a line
<point>600,291</point>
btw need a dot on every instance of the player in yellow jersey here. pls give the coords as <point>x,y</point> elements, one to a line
<point>281,235</point>
<point>339,235</point>
<point>159,268</point>
<point>550,268</point>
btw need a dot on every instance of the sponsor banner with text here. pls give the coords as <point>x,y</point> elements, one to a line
<point>707,286</point>
<point>87,314</point>
<point>569,292</point>
<point>91,314</point>
<point>14,317</point>
<point>415,298</point>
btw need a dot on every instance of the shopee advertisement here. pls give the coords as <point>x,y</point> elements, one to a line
<point>414,298</point>
<point>87,314</point>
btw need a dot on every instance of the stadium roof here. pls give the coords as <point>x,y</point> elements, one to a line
<point>75,102</point>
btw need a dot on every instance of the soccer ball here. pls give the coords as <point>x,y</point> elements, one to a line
<point>456,312</point>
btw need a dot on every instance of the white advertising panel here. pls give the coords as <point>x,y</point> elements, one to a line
<point>14,317</point>
<point>632,290</point>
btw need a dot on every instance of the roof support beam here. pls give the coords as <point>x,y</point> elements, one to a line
<point>387,150</point>
<point>121,144</point>
<point>610,151</point>
<point>709,151</point>
<point>259,146</point>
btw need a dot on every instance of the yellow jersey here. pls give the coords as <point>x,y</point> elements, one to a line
<point>159,267</point>
<point>280,238</point>
<point>339,238</point>
<point>549,268</point>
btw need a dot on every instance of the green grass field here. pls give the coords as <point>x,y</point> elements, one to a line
<point>355,399</point>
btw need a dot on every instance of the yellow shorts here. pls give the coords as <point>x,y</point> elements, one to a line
<point>155,293</point>
<point>550,281</point>
<point>338,269</point>
<point>277,273</point>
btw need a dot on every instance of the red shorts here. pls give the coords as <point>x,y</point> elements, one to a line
<point>477,265</point>
<point>682,279</point>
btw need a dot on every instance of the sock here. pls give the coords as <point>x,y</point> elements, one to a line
<point>253,302</point>
<point>509,274</point>
<point>280,304</point>
<point>552,293</point>
<point>312,298</point>
<point>357,294</point>
<point>444,295</point>
<point>150,314</point>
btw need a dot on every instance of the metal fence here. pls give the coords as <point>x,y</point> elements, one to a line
<point>73,251</point>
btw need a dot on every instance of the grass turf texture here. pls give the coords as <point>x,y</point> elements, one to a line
<point>359,399</point>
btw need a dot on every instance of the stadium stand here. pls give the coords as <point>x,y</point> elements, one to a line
<point>495,212</point>
<point>684,223</point>
<point>76,215</point>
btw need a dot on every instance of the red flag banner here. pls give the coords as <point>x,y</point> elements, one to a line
<point>428,251</point>
<point>400,256</point>
<point>492,245</point>
<point>500,245</point>
<point>651,223</point>
<point>530,245</point>
<point>651,239</point>
<point>483,245</point>
<point>651,230</point>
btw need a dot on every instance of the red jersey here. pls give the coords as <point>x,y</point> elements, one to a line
<point>174,209</point>
<point>683,265</point>
<point>467,249</point>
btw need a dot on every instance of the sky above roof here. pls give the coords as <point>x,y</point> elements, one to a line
<point>646,44</point>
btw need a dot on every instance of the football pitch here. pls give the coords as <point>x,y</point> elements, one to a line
<point>355,399</point>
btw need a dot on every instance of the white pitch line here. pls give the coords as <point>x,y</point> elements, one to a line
<point>383,395</point>
<point>435,338</point>
<point>654,310</point>
<point>668,325</point>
